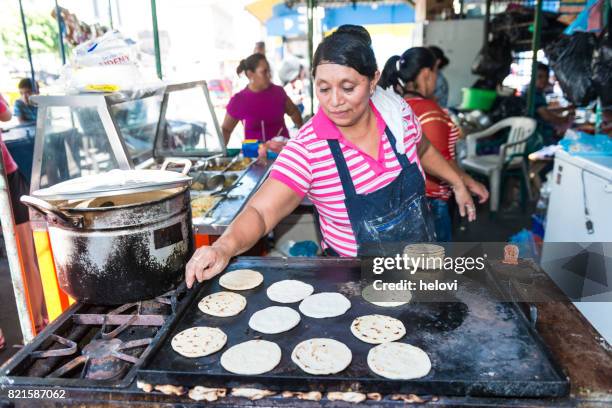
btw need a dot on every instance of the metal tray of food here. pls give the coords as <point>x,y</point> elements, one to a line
<point>228,164</point>
<point>206,183</point>
<point>478,346</point>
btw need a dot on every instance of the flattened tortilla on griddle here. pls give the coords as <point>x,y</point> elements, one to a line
<point>321,356</point>
<point>241,279</point>
<point>324,305</point>
<point>289,291</point>
<point>386,298</point>
<point>399,361</point>
<point>198,341</point>
<point>223,304</point>
<point>252,357</point>
<point>377,329</point>
<point>274,319</point>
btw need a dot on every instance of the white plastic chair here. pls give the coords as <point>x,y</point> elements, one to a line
<point>511,155</point>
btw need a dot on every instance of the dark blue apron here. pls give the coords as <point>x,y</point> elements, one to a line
<point>385,220</point>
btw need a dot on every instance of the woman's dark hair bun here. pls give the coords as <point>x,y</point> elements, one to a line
<point>250,63</point>
<point>350,46</point>
<point>398,71</point>
<point>241,67</point>
<point>357,31</point>
<point>437,51</point>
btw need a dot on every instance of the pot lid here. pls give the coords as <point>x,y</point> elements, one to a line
<point>113,183</point>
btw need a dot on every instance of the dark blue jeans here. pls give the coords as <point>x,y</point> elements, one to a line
<point>442,220</point>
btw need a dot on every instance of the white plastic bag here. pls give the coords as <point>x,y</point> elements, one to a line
<point>107,64</point>
<point>110,49</point>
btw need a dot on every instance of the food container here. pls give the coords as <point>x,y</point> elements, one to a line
<point>250,147</point>
<point>118,237</point>
<point>474,98</point>
<point>212,182</point>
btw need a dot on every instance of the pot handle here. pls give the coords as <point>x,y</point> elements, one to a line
<point>49,210</point>
<point>184,162</point>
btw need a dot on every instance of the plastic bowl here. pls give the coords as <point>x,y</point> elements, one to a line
<point>481,99</point>
<point>250,148</point>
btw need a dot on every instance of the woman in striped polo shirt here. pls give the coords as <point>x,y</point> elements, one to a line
<point>360,160</point>
<point>413,76</point>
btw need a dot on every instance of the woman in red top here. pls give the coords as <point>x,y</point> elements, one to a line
<point>413,76</point>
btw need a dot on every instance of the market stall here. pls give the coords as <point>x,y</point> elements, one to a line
<point>125,186</point>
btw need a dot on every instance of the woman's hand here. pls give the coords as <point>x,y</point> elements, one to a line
<point>206,263</point>
<point>464,201</point>
<point>271,203</point>
<point>476,188</point>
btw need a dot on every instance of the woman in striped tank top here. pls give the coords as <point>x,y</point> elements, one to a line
<point>413,76</point>
<point>360,160</point>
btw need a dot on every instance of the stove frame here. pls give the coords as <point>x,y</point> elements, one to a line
<point>72,318</point>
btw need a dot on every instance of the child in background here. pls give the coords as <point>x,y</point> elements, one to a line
<point>552,122</point>
<point>24,110</point>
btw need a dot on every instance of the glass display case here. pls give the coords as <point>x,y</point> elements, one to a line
<point>85,134</point>
<point>188,125</point>
<point>78,135</point>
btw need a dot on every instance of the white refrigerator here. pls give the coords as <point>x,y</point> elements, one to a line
<point>580,213</point>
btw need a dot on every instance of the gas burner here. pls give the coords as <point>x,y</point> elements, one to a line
<point>151,312</point>
<point>89,343</point>
<point>103,359</point>
<point>154,306</point>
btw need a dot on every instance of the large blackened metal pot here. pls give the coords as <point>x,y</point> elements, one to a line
<point>120,248</point>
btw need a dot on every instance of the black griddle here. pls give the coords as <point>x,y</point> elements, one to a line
<point>478,346</point>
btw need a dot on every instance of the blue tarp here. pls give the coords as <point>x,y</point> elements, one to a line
<point>286,22</point>
<point>368,14</point>
<point>289,22</point>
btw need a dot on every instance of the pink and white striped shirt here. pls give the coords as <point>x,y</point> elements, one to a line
<point>307,166</point>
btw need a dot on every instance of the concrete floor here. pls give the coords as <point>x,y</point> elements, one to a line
<point>497,229</point>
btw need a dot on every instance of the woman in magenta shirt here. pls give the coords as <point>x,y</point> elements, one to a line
<point>261,105</point>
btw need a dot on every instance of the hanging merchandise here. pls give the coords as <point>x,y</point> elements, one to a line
<point>570,58</point>
<point>494,59</point>
<point>602,71</point>
<point>517,25</point>
<point>589,19</point>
